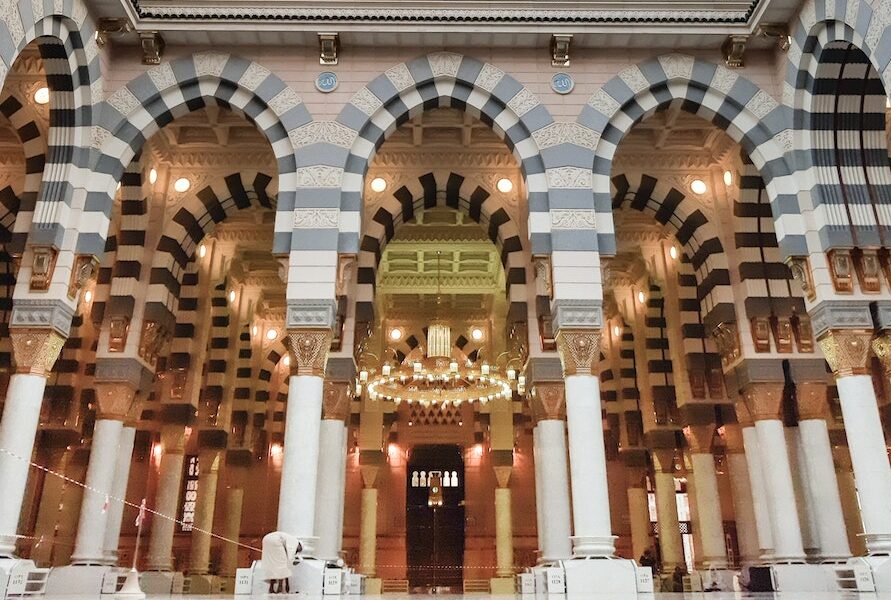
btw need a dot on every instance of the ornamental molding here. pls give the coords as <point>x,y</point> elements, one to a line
<point>48,314</point>
<point>562,218</point>
<point>309,350</point>
<point>319,176</point>
<point>366,101</point>
<point>840,314</point>
<point>577,314</point>
<point>310,313</point>
<point>330,132</point>
<point>316,218</point>
<point>570,178</point>
<point>523,102</point>
<point>210,63</point>
<point>847,351</point>
<point>565,133</point>
<point>579,350</point>
<point>35,351</point>
<point>444,64</point>
<point>406,160</point>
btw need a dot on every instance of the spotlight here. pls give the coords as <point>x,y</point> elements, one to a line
<point>42,95</point>
<point>505,185</point>
<point>698,186</point>
<point>153,176</point>
<point>182,185</point>
<point>231,295</point>
<point>673,253</point>
<point>641,297</point>
<point>271,334</point>
<point>728,178</point>
<point>378,184</point>
<point>88,296</point>
<point>202,251</point>
<point>477,334</point>
<point>395,334</point>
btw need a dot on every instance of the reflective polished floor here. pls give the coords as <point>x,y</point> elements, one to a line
<point>658,596</point>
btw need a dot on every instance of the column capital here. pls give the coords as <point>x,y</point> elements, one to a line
<point>115,400</point>
<point>699,437</point>
<point>502,475</point>
<point>733,438</point>
<point>663,459</point>
<point>548,401</point>
<point>847,351</point>
<point>35,351</point>
<point>579,350</point>
<point>812,402</point>
<point>173,438</point>
<point>336,401</point>
<point>743,416</point>
<point>369,475</point>
<point>882,348</point>
<point>764,400</point>
<point>309,350</point>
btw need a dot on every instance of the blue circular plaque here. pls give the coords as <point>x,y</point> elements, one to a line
<point>326,82</point>
<point>562,83</point>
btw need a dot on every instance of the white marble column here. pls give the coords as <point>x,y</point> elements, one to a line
<point>707,502</point>
<point>764,401</point>
<point>89,545</point>
<point>205,506</point>
<point>580,351</point>
<point>741,490</point>
<point>504,529</point>
<point>816,452</point>
<point>332,471</point>
<point>670,544</point>
<point>34,353</point>
<point>160,550</point>
<point>847,352</point>
<point>638,510</point>
<point>551,472</point>
<point>763,526</point>
<point>368,522</point>
<point>119,490</point>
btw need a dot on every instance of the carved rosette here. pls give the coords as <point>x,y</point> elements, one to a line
<point>764,400</point>
<point>882,348</point>
<point>812,402</point>
<point>548,401</point>
<point>847,351</point>
<point>309,351</point>
<point>116,400</point>
<point>579,350</point>
<point>35,350</point>
<point>336,401</point>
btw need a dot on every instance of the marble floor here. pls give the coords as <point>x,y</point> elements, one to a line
<point>659,596</point>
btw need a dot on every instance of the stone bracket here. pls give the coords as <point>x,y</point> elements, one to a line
<point>840,314</point>
<point>311,313</point>
<point>42,314</point>
<point>573,314</point>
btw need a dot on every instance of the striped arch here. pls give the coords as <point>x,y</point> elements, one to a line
<point>698,236</point>
<point>416,340</point>
<point>136,111</point>
<point>541,146</point>
<point>843,151</point>
<point>658,356</point>
<point>244,365</point>
<point>196,217</point>
<point>217,357</point>
<point>456,193</point>
<point>9,209</point>
<point>723,97</point>
<point>272,357</point>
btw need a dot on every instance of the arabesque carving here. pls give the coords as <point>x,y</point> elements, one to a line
<point>579,350</point>
<point>309,351</point>
<point>336,401</point>
<point>764,400</point>
<point>847,351</point>
<point>35,350</point>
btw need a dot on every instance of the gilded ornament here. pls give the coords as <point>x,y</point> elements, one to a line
<point>847,351</point>
<point>764,400</point>
<point>881,346</point>
<point>548,401</point>
<point>812,402</point>
<point>336,400</point>
<point>841,269</point>
<point>35,350</point>
<point>42,266</point>
<point>579,350</point>
<point>116,400</point>
<point>309,351</point>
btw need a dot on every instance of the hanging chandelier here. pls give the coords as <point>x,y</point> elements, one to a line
<point>438,379</point>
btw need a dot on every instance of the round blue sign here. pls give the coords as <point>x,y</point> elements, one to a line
<point>326,82</point>
<point>562,83</point>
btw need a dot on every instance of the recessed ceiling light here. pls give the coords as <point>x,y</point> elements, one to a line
<point>182,185</point>
<point>673,253</point>
<point>378,184</point>
<point>231,295</point>
<point>641,297</point>
<point>153,176</point>
<point>88,296</point>
<point>254,330</point>
<point>476,333</point>
<point>202,251</point>
<point>271,334</point>
<point>698,186</point>
<point>616,330</point>
<point>395,334</point>
<point>728,178</point>
<point>505,185</point>
<point>42,95</point>
<point>287,360</point>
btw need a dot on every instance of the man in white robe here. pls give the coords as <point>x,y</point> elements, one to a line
<point>280,552</point>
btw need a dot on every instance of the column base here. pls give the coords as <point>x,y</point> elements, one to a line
<point>20,577</point>
<point>713,580</point>
<point>607,576</point>
<point>502,585</point>
<point>203,584</point>
<point>868,573</point>
<point>85,580</point>
<point>793,578</point>
<point>307,577</point>
<point>584,546</point>
<point>162,582</point>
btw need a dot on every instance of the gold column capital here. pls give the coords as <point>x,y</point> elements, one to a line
<point>663,459</point>
<point>699,437</point>
<point>548,401</point>
<point>733,438</point>
<point>743,416</point>
<point>336,401</point>
<point>882,348</point>
<point>35,351</point>
<point>764,400</point>
<point>115,400</point>
<point>847,351</point>
<point>812,402</point>
<point>309,350</point>
<point>579,350</point>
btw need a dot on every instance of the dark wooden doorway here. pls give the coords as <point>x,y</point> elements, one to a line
<point>434,517</point>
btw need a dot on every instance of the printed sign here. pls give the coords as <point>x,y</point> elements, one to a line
<point>190,492</point>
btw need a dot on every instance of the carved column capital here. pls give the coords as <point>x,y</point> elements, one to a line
<point>882,348</point>
<point>847,351</point>
<point>309,350</point>
<point>336,401</point>
<point>548,401</point>
<point>115,400</point>
<point>35,350</point>
<point>743,416</point>
<point>812,402</point>
<point>579,350</point>
<point>764,400</point>
<point>699,437</point>
<point>369,475</point>
<point>502,475</point>
<point>663,459</point>
<point>733,438</point>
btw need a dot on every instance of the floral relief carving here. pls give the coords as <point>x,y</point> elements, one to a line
<point>284,101</point>
<point>37,9</point>
<point>851,11</point>
<point>548,401</point>
<point>316,218</point>
<point>35,350</point>
<point>579,350</point>
<point>562,218</point>
<point>309,351</point>
<point>724,79</point>
<point>634,79</point>
<point>489,77</point>
<point>603,103</point>
<point>847,351</point>
<point>99,135</point>
<point>210,63</point>
<point>336,401</point>
<point>331,132</point>
<point>319,176</point>
<point>761,104</point>
<point>677,66</point>
<point>784,139</point>
<point>254,76</point>
<point>9,13</point>
<point>79,13</point>
<point>124,101</point>
<point>570,178</point>
<point>523,102</point>
<point>162,76</point>
<point>59,7</point>
<point>366,101</point>
<point>444,64</point>
<point>400,77</point>
<point>559,132</point>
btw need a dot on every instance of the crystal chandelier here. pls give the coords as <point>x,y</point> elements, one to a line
<point>439,379</point>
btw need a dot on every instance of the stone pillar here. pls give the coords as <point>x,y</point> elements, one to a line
<point>504,529</point>
<point>580,350</point>
<point>548,408</point>
<point>119,490</point>
<point>707,502</point>
<point>741,490</point>
<point>763,526</point>
<point>34,352</point>
<point>850,503</point>
<point>670,543</point>
<point>368,523</point>
<point>170,474</point>
<point>764,402</point>
<point>232,531</point>
<point>332,470</point>
<point>208,475</point>
<point>539,490</point>
<point>297,499</point>
<point>638,511</point>
<point>803,498</point>
<point>115,401</point>
<point>816,452</point>
<point>847,352</point>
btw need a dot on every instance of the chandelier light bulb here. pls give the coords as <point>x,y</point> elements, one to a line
<point>231,295</point>
<point>254,330</point>
<point>287,360</point>
<point>616,330</point>
<point>42,95</point>
<point>698,186</point>
<point>378,184</point>
<point>182,185</point>
<point>88,296</point>
<point>505,185</point>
